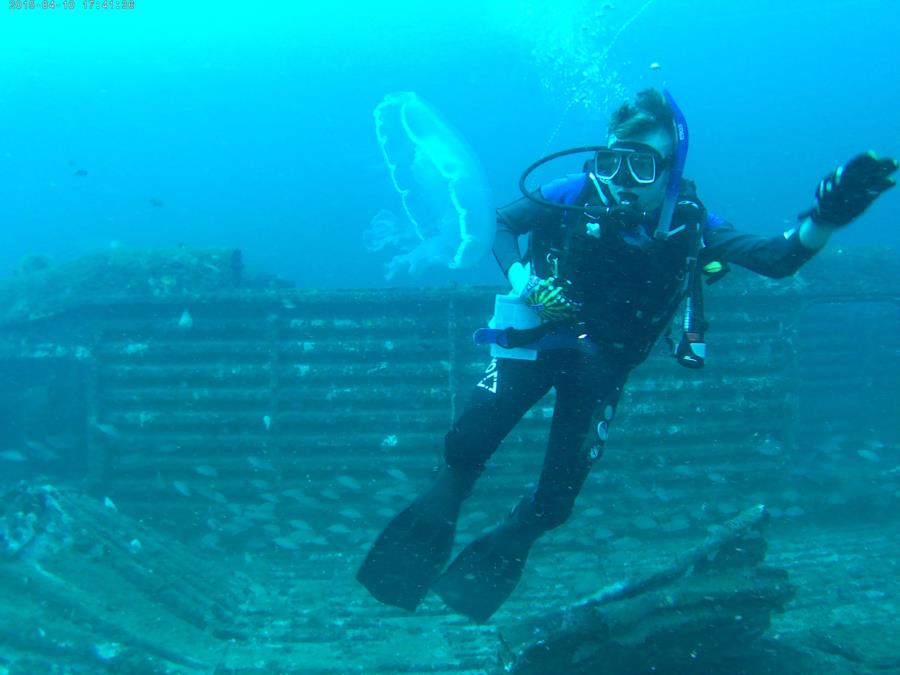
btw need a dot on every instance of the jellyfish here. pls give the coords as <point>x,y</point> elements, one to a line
<point>448,214</point>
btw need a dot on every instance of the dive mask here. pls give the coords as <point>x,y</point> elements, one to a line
<point>643,162</point>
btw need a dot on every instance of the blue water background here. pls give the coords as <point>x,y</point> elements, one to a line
<point>252,125</point>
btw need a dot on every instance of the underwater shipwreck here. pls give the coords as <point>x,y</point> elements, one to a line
<point>195,458</point>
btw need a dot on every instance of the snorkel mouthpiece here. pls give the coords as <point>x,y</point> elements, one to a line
<point>673,187</point>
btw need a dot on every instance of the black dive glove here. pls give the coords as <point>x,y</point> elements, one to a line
<point>689,210</point>
<point>849,190</point>
<point>546,298</point>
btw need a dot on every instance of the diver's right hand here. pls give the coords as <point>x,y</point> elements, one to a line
<point>547,299</point>
<point>849,190</point>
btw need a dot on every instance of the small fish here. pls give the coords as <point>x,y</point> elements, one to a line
<point>349,482</point>
<point>397,474</point>
<point>717,478</point>
<point>81,172</point>
<point>132,459</point>
<point>655,65</point>
<point>107,430</point>
<point>156,203</point>
<point>265,511</point>
<point>300,525</point>
<point>676,524</point>
<point>287,543</point>
<point>236,526</point>
<point>770,448</point>
<point>211,495</point>
<point>644,523</point>
<point>182,488</point>
<point>61,442</point>
<point>12,456</point>
<point>661,494</point>
<point>389,495</point>
<point>260,464</point>
<point>868,455</point>
<point>352,514</point>
<point>210,540</point>
<point>40,451</point>
<point>110,504</point>
<point>256,544</point>
<point>259,484</point>
<point>603,534</point>
<point>208,471</point>
<point>186,322</point>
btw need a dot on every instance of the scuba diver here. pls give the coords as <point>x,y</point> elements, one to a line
<point>613,253</point>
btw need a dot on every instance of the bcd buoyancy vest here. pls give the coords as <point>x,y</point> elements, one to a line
<point>630,284</point>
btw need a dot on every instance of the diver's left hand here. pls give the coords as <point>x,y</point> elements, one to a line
<point>689,211</point>
<point>850,189</point>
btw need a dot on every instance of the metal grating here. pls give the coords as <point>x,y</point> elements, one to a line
<point>213,402</point>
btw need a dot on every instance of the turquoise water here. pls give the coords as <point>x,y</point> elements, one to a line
<point>195,456</point>
<point>201,122</point>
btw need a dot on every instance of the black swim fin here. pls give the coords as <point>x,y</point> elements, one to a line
<point>486,571</point>
<point>411,551</point>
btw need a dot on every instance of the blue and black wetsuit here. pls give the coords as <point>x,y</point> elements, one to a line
<point>630,286</point>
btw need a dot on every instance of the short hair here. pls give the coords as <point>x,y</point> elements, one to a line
<point>650,110</point>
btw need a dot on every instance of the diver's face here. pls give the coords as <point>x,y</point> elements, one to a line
<point>645,196</point>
